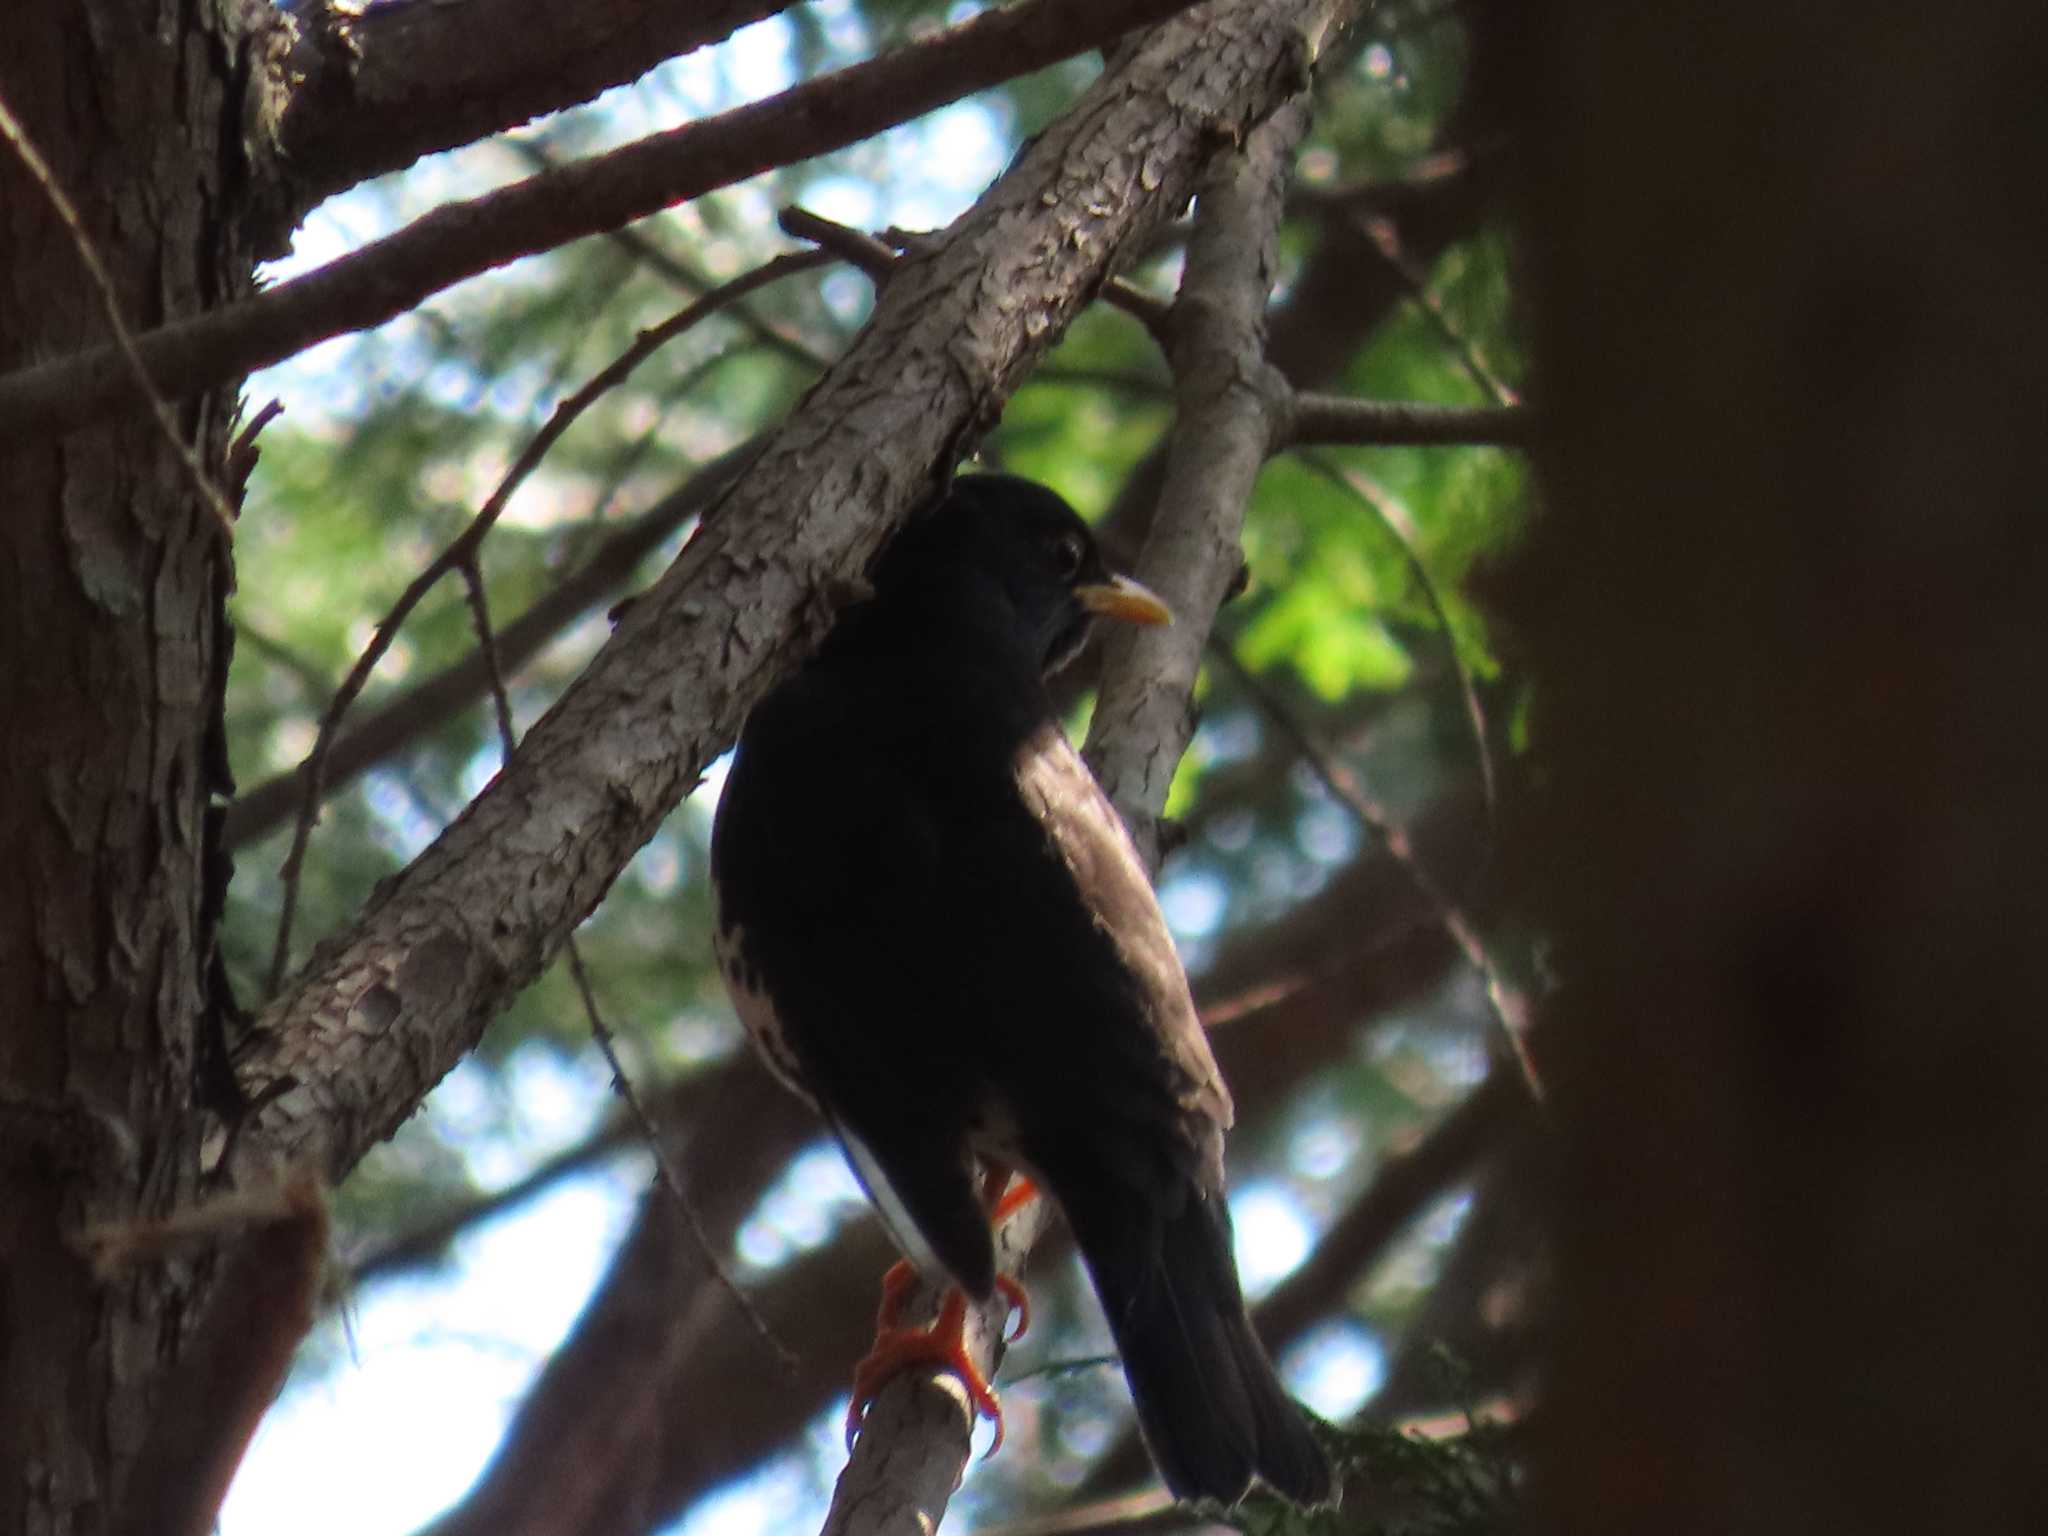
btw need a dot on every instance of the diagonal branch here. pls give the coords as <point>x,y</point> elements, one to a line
<point>384,1009</point>
<point>390,276</point>
<point>1512,1005</point>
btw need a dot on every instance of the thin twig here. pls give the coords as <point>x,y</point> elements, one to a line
<point>1382,237</point>
<point>1511,1005</point>
<point>855,246</point>
<point>1428,177</point>
<point>313,770</point>
<point>1251,1002</point>
<point>242,452</point>
<point>39,170</point>
<point>487,647</point>
<point>636,1109</point>
<point>644,250</point>
<point>877,256</point>
<point>664,1167</point>
<point>1395,519</point>
<point>312,677</point>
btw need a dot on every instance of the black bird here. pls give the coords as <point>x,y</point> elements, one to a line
<point>938,931</point>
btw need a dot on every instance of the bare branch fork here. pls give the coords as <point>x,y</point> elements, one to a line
<point>1300,418</point>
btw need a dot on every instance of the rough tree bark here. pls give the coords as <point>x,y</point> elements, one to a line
<point>112,652</point>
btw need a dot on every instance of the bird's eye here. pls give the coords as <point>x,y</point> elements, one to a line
<point>1067,556</point>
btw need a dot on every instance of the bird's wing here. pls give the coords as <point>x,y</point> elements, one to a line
<point>1156,1235</point>
<point>1163,1036</point>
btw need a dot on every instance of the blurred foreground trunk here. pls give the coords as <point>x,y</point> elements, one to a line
<point>1789,615</point>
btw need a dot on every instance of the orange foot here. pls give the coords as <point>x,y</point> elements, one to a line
<point>942,1344</point>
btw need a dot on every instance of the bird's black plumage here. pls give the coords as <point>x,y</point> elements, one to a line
<point>938,930</point>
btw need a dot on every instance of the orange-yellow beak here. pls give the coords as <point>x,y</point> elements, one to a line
<point>1122,598</point>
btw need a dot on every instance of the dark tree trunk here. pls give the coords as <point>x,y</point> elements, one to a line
<point>112,583</point>
<point>1787,614</point>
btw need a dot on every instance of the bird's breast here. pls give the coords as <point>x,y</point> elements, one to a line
<point>750,1000</point>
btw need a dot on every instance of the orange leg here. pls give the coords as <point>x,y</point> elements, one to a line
<point>943,1343</point>
<point>1020,1191</point>
<point>1006,1203</point>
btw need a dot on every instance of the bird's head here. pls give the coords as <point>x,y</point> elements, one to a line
<point>1011,540</point>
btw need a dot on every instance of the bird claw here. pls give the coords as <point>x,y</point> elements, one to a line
<point>942,1345</point>
<point>1020,1300</point>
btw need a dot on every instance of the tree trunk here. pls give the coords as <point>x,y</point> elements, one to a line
<point>112,650</point>
<point>1786,614</point>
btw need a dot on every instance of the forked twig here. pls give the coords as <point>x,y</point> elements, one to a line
<point>665,1170</point>
<point>1395,519</point>
<point>876,257</point>
<point>465,545</point>
<point>1380,235</point>
<point>636,1108</point>
<point>1511,1006</point>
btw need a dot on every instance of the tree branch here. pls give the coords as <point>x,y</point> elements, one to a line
<point>1230,403</point>
<point>1397,1194</point>
<point>390,276</point>
<point>877,258</point>
<point>1342,291</point>
<point>383,1010</point>
<point>385,84</point>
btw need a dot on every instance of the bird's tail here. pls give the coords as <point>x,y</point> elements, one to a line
<point>1212,1410</point>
